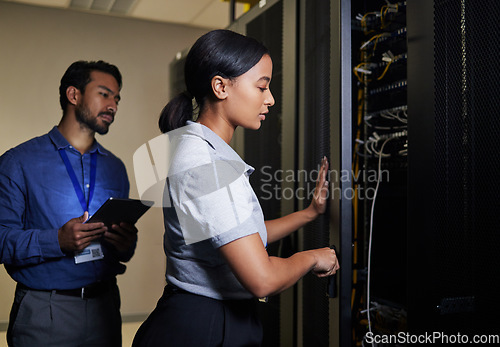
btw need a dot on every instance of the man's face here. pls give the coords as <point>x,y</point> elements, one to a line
<point>99,102</point>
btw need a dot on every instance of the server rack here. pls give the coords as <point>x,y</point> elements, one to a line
<point>453,161</point>
<point>380,168</point>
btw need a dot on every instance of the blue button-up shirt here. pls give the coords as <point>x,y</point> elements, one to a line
<point>37,198</point>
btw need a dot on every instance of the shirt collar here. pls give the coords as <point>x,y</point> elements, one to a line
<point>214,141</point>
<point>60,142</point>
<point>206,134</point>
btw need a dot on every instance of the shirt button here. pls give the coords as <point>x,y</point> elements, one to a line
<point>88,185</point>
<point>70,146</point>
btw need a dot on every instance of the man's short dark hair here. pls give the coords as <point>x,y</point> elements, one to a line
<point>78,76</point>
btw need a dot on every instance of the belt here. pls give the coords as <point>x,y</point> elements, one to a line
<point>93,290</point>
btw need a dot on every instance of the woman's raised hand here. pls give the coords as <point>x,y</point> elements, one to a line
<point>320,196</point>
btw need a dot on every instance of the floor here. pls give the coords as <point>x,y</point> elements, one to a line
<point>128,333</point>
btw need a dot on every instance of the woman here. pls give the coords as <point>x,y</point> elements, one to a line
<point>216,236</point>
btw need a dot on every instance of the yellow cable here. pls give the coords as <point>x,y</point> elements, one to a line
<point>383,14</point>
<point>374,37</point>
<point>385,71</point>
<point>355,70</point>
<point>376,41</point>
<point>363,20</point>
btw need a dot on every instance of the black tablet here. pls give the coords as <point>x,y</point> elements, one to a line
<point>116,210</point>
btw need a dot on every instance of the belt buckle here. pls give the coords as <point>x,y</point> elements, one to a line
<point>83,293</point>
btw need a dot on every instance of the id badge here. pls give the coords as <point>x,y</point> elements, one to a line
<point>90,253</point>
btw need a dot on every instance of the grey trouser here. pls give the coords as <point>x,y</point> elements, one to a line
<point>45,318</point>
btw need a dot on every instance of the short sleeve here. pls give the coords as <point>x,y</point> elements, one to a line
<point>215,201</point>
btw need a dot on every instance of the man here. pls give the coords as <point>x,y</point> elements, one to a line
<point>66,269</point>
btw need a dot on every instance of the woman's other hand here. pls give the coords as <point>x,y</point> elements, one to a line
<point>327,263</point>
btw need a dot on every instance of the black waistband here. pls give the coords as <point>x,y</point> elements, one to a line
<point>171,289</point>
<point>93,290</point>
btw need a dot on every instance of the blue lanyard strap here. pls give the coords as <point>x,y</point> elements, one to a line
<point>74,180</point>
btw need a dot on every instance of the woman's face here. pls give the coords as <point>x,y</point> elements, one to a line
<point>249,96</point>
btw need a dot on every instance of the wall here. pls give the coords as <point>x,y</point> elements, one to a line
<point>36,47</point>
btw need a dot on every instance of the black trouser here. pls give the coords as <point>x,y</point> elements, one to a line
<point>189,320</point>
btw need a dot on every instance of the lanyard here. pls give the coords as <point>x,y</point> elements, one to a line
<point>76,185</point>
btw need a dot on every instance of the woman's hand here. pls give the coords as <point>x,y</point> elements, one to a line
<point>327,263</point>
<point>264,275</point>
<point>318,203</point>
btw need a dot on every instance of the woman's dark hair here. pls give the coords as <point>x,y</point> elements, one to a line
<point>78,76</point>
<point>219,52</point>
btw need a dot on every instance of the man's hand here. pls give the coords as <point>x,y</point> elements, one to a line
<point>75,235</point>
<point>123,237</point>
